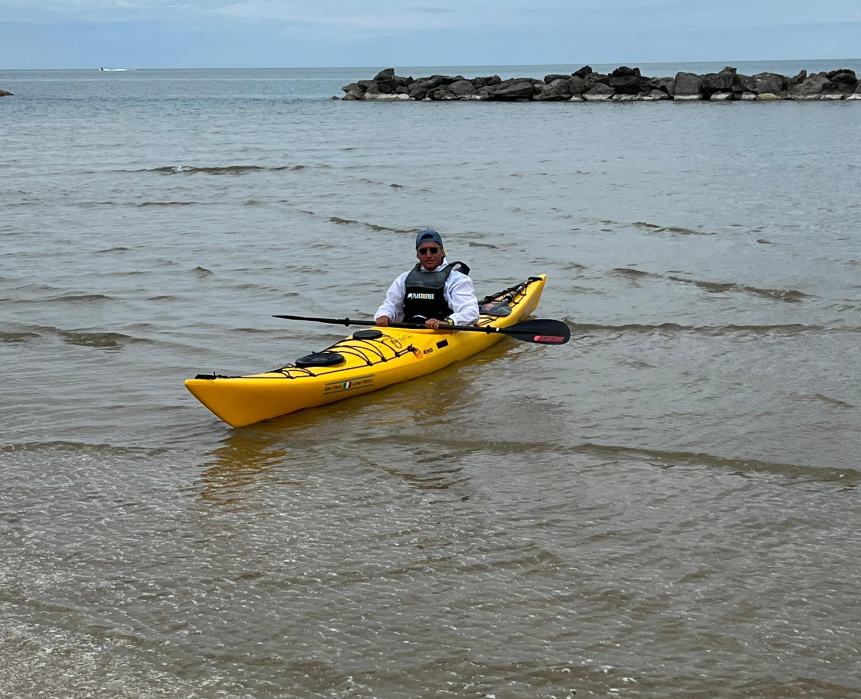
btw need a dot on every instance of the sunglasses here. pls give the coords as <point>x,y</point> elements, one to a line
<point>428,251</point>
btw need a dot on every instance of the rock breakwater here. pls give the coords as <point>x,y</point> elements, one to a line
<point>624,84</point>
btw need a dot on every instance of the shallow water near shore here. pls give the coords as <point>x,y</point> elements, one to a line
<point>667,506</point>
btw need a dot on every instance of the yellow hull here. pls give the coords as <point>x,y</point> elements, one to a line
<point>399,354</point>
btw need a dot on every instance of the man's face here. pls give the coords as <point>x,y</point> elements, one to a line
<point>430,254</point>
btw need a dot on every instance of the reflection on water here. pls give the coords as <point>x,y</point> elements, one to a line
<point>240,464</point>
<point>433,480</point>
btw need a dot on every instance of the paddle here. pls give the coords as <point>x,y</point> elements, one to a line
<point>540,331</point>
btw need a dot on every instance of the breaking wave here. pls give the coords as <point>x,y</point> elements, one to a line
<point>712,330</point>
<point>17,336</point>
<point>99,340</point>
<point>677,230</point>
<point>226,169</point>
<point>372,226</point>
<point>786,295</point>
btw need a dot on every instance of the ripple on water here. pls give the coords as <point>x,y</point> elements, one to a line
<point>12,336</point>
<point>99,340</point>
<point>411,570</point>
<point>786,295</point>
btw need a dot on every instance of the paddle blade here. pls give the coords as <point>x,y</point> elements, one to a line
<point>541,331</point>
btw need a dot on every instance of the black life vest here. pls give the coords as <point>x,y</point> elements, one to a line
<point>425,292</point>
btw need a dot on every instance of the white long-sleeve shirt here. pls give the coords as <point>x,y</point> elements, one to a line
<point>458,291</point>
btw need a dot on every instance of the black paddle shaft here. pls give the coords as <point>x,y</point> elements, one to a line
<point>540,331</point>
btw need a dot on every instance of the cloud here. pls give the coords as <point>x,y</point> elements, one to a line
<point>374,17</point>
<point>53,11</point>
<point>482,15</point>
<point>424,32</point>
<point>430,10</point>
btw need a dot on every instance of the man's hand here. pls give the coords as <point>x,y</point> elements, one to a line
<point>436,324</point>
<point>382,320</point>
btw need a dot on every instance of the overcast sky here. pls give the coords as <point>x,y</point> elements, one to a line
<point>286,33</point>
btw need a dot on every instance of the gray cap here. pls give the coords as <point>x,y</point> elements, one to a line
<point>427,235</point>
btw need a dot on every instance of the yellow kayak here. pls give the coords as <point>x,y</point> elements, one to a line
<point>366,361</point>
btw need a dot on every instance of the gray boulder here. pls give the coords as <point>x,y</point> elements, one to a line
<point>688,86</point>
<point>442,94</point>
<point>599,92</point>
<point>843,75</point>
<point>812,88</point>
<point>593,79</point>
<point>559,89</point>
<point>419,89</point>
<point>843,80</point>
<point>486,81</point>
<point>555,76</point>
<point>576,85</point>
<point>718,82</point>
<point>762,83</point>
<point>582,72</point>
<point>462,88</point>
<point>514,89</point>
<point>627,84</point>
<point>666,85</point>
<point>625,72</point>
<point>654,96</point>
<point>376,89</point>
<point>388,76</point>
<point>375,86</point>
<point>354,91</point>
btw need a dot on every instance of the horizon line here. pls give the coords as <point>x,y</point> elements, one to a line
<point>727,62</point>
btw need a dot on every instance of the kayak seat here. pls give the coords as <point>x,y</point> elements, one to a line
<point>320,359</point>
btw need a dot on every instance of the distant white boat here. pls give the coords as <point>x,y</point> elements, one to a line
<point>113,70</point>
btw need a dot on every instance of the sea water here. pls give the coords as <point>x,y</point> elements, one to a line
<point>666,506</point>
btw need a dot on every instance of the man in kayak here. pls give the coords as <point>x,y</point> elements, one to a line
<point>434,292</point>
